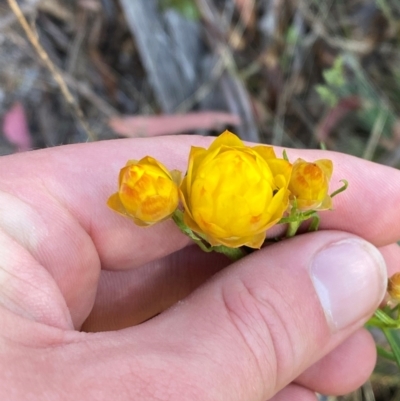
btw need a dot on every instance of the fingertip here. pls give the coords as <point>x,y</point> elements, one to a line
<point>350,279</point>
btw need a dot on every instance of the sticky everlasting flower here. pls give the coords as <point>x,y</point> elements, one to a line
<point>148,192</point>
<point>309,184</point>
<point>233,193</point>
<point>394,287</point>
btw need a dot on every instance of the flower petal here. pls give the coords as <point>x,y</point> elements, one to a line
<point>227,138</point>
<point>115,204</point>
<point>266,152</point>
<point>326,166</point>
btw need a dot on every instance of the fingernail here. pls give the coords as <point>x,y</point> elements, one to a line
<point>350,279</point>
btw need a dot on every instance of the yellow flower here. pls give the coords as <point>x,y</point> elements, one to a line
<point>148,192</point>
<point>394,287</point>
<point>233,193</point>
<point>309,184</point>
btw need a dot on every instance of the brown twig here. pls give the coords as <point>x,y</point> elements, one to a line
<point>52,68</point>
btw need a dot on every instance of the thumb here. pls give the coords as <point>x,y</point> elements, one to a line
<point>258,324</point>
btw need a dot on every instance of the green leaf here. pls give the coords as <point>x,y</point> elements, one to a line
<point>335,76</point>
<point>382,352</point>
<point>369,115</point>
<point>390,327</point>
<point>384,320</point>
<point>178,219</point>
<point>284,155</point>
<point>393,338</point>
<point>187,8</point>
<point>327,95</point>
<point>292,35</point>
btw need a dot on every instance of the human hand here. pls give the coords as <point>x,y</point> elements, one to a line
<point>254,331</point>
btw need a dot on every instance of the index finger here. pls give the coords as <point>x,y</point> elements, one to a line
<point>82,177</point>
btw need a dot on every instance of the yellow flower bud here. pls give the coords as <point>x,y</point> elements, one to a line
<point>148,192</point>
<point>233,193</point>
<point>394,287</point>
<point>309,184</point>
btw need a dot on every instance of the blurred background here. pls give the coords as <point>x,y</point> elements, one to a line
<point>297,73</point>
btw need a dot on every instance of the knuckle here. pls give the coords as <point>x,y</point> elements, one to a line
<point>261,324</point>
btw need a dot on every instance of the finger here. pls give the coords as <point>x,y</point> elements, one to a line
<point>75,233</point>
<point>345,368</point>
<point>81,178</point>
<point>130,297</point>
<point>349,365</point>
<point>366,196</point>
<point>391,253</point>
<point>245,334</point>
<point>30,292</point>
<point>127,298</point>
<point>56,244</point>
<point>34,199</point>
<point>74,182</point>
<point>273,314</point>
<point>294,392</point>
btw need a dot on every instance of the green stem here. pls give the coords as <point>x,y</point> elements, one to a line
<point>314,222</point>
<point>383,319</point>
<point>341,189</point>
<point>233,254</point>
<point>390,327</point>
<point>393,338</point>
<point>178,219</point>
<point>292,228</point>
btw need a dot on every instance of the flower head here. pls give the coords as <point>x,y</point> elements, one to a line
<point>233,193</point>
<point>394,287</point>
<point>309,184</point>
<point>148,192</point>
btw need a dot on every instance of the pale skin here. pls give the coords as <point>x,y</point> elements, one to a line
<point>79,283</point>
